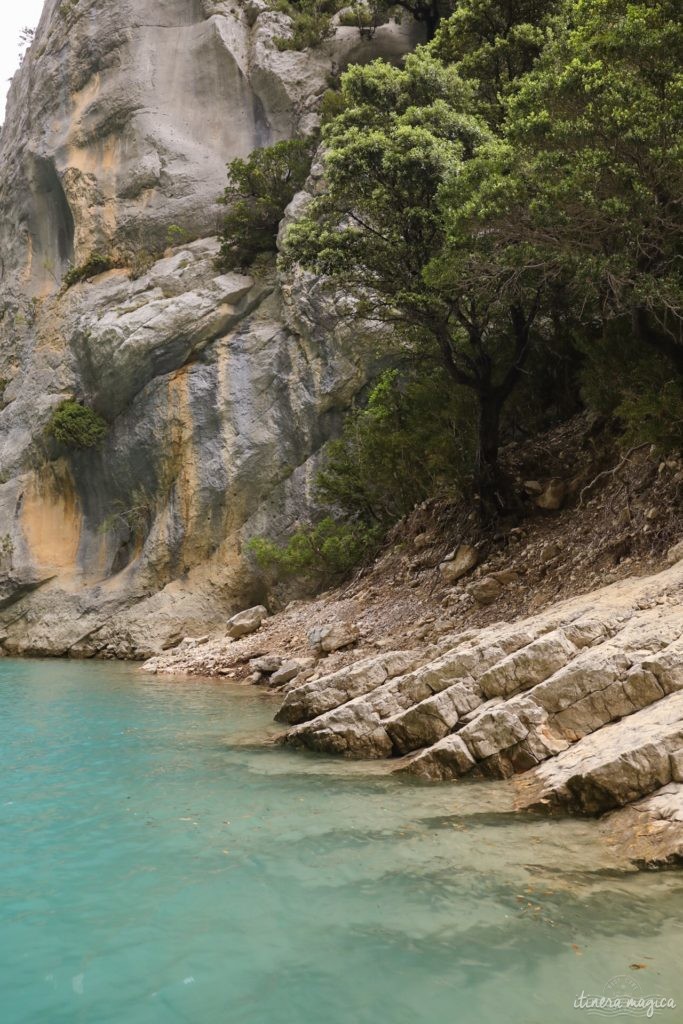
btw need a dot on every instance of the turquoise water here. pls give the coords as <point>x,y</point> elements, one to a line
<point>159,862</point>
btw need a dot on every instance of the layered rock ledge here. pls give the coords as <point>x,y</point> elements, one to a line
<point>582,704</point>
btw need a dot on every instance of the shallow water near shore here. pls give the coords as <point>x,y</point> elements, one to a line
<point>160,861</point>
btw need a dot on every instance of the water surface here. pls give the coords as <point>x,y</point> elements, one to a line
<point>160,862</point>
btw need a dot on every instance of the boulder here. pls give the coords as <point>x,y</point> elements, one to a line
<point>246,622</point>
<point>289,669</point>
<point>464,561</point>
<point>327,692</point>
<point>612,767</point>
<point>267,663</point>
<point>424,723</point>
<point>486,591</point>
<point>505,576</point>
<point>549,551</point>
<point>189,643</point>
<point>325,639</point>
<point>649,832</point>
<point>553,495</point>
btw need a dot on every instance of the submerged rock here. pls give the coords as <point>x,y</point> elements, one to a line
<point>649,832</point>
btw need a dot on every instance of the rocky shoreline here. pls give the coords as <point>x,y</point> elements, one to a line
<point>581,705</point>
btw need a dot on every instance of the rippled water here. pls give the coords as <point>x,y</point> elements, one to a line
<point>159,863</point>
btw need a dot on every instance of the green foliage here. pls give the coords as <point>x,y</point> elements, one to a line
<point>382,230</point>
<point>519,179</point>
<point>76,425</point>
<point>257,194</point>
<point>140,260</point>
<point>413,439</point>
<point>6,548</point>
<point>493,43</point>
<point>67,8</point>
<point>311,22</point>
<point>176,235</point>
<point>366,17</point>
<point>96,263</point>
<point>324,552</point>
<point>584,187</point>
<point>624,380</point>
<point>331,106</point>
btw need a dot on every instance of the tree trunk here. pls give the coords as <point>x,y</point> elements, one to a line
<point>487,475</point>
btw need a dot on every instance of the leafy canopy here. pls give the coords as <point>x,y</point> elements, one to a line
<point>493,43</point>
<point>381,229</point>
<point>583,189</point>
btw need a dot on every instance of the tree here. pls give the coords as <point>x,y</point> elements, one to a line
<point>381,230</point>
<point>259,190</point>
<point>493,43</point>
<point>584,190</point>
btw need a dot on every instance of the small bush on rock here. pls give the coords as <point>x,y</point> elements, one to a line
<point>76,425</point>
<point>324,552</point>
<point>311,22</point>
<point>259,190</point>
<point>96,263</point>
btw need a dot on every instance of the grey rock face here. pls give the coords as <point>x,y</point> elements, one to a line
<point>125,112</point>
<point>219,390</point>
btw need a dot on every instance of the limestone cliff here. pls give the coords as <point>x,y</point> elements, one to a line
<point>218,390</point>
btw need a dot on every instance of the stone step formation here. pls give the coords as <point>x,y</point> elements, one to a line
<point>581,704</point>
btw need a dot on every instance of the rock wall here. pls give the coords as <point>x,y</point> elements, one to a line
<point>219,390</point>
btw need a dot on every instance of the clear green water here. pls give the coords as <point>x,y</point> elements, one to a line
<point>158,863</point>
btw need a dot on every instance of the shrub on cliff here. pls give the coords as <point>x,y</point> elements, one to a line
<point>96,263</point>
<point>258,191</point>
<point>311,22</point>
<point>323,553</point>
<point>76,426</point>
